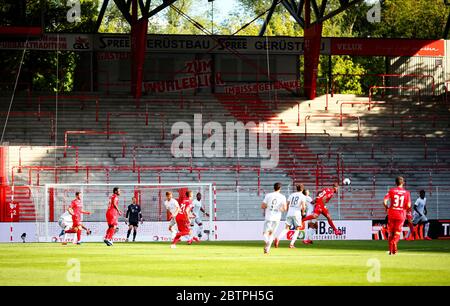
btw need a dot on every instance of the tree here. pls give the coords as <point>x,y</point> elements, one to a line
<point>412,19</point>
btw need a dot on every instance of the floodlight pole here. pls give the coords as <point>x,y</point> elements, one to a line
<point>302,11</point>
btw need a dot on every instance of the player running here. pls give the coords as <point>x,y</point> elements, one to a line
<point>311,227</point>
<point>112,215</point>
<point>400,202</point>
<point>420,212</point>
<point>66,224</point>
<point>183,221</point>
<point>133,215</point>
<point>320,207</point>
<point>76,210</point>
<point>274,204</point>
<point>198,210</point>
<point>297,205</point>
<point>173,209</point>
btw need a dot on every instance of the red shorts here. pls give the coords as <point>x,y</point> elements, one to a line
<point>409,216</point>
<point>112,218</point>
<point>76,221</point>
<point>395,225</point>
<point>184,226</point>
<point>320,209</point>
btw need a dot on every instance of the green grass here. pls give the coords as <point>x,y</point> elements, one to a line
<point>226,263</point>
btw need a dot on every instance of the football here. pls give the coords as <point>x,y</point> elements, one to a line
<point>347,181</point>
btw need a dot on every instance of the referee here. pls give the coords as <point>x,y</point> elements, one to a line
<point>133,216</point>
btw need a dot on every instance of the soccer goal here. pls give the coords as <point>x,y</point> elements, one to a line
<point>52,200</point>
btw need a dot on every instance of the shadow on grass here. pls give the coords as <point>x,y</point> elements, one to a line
<point>435,246</point>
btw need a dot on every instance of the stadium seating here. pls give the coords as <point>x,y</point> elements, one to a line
<point>127,144</point>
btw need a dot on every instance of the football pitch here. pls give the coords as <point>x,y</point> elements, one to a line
<point>226,263</point>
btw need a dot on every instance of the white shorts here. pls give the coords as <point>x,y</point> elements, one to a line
<point>197,221</point>
<point>65,225</point>
<point>293,221</point>
<point>419,219</point>
<point>271,226</point>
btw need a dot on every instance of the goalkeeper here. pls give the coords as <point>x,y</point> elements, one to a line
<point>133,216</point>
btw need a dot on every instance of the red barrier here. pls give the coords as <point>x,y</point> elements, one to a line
<point>393,87</point>
<point>402,135</point>
<point>67,133</point>
<point>49,147</point>
<point>357,103</point>
<point>383,76</point>
<point>82,100</point>
<point>27,85</point>
<point>123,114</point>
<point>308,117</point>
<point>37,115</point>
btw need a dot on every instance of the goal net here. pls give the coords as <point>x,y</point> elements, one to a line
<point>52,200</point>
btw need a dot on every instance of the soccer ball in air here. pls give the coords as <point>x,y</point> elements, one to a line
<point>347,181</point>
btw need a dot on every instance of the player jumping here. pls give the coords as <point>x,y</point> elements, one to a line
<point>133,215</point>
<point>320,207</point>
<point>274,204</point>
<point>400,202</point>
<point>112,216</point>
<point>198,210</point>
<point>311,227</point>
<point>76,210</point>
<point>297,205</point>
<point>173,208</point>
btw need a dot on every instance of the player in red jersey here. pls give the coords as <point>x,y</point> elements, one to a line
<point>76,210</point>
<point>112,216</point>
<point>320,206</point>
<point>400,203</point>
<point>183,220</point>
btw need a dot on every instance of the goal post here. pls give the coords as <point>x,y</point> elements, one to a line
<point>52,200</point>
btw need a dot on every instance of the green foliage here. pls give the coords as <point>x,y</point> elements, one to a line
<point>412,19</point>
<point>345,65</point>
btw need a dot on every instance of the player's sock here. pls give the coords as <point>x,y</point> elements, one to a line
<point>390,242</point>
<point>266,238</point>
<point>269,243</point>
<point>282,234</point>
<point>426,229</point>
<point>177,238</point>
<point>78,236</point>
<point>174,233</point>
<point>331,223</point>
<point>396,239</point>
<point>294,237</point>
<point>110,233</point>
<point>311,233</point>
<point>134,235</point>
<point>128,233</point>
<point>307,218</point>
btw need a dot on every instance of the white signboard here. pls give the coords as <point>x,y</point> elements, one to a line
<point>158,232</point>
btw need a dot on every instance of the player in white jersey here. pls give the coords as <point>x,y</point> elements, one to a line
<point>312,224</point>
<point>419,214</point>
<point>297,205</point>
<point>198,210</point>
<point>274,204</point>
<point>173,208</point>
